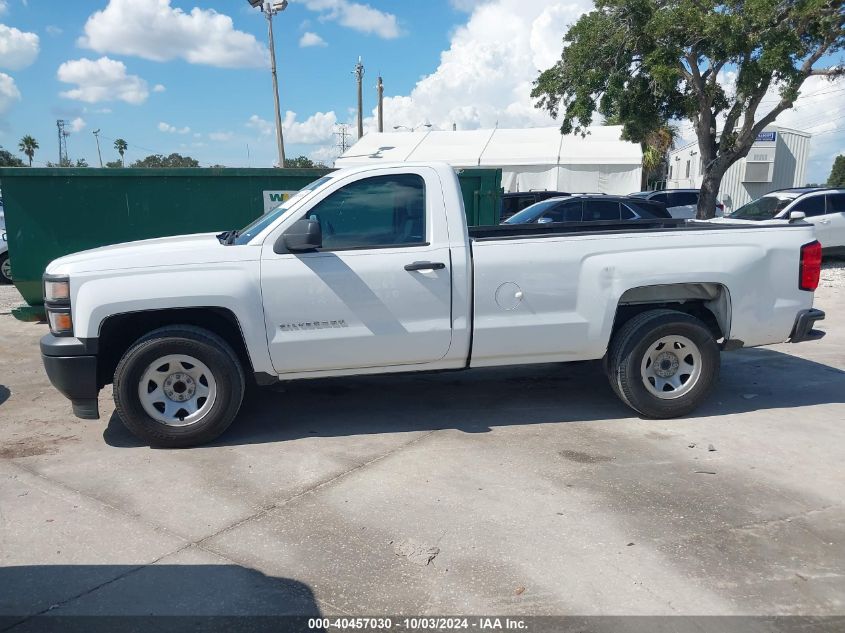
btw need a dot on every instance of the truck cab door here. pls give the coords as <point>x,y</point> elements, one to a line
<point>377,293</point>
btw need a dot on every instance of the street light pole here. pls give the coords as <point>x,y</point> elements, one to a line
<point>270,12</point>
<point>270,9</point>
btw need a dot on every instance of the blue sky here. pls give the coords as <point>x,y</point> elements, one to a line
<point>191,76</point>
<point>209,99</point>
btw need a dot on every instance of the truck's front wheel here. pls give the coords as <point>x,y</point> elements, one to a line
<point>663,363</point>
<point>178,386</point>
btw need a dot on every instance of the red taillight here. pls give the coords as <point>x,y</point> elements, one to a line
<point>810,268</point>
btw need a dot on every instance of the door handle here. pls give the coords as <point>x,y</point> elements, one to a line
<point>425,266</point>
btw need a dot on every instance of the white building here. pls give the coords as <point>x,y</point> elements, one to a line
<point>533,158</point>
<point>777,160</point>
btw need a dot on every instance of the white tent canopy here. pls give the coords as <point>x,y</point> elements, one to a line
<point>534,158</point>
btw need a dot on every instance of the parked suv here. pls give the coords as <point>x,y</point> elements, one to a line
<point>823,207</point>
<point>513,203</point>
<point>681,203</point>
<point>589,208</point>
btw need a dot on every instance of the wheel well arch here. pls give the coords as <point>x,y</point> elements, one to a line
<point>708,301</point>
<point>118,332</point>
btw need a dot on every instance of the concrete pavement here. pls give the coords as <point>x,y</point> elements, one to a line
<point>528,490</point>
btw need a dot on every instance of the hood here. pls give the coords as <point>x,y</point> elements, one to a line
<point>201,248</point>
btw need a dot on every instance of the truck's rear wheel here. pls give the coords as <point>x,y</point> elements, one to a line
<point>178,386</point>
<point>663,363</point>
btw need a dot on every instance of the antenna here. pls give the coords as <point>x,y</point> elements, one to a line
<point>343,136</point>
<point>380,91</point>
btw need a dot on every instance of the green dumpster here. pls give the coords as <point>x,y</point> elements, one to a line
<point>52,212</point>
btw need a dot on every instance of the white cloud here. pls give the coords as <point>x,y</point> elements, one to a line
<point>18,49</point>
<point>172,129</point>
<point>264,127</point>
<point>159,88</point>
<point>220,136</point>
<point>317,128</point>
<point>356,16</point>
<point>78,124</point>
<point>4,7</point>
<point>311,39</point>
<point>53,30</point>
<point>325,154</point>
<point>9,93</point>
<point>103,79</point>
<point>154,30</point>
<point>486,75</point>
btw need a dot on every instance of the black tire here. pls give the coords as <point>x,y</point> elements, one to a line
<point>634,339</point>
<point>199,343</point>
<point>4,278</point>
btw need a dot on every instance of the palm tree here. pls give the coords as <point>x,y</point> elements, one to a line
<point>28,145</point>
<point>121,146</point>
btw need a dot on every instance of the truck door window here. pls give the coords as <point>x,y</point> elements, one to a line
<point>595,210</point>
<point>375,212</point>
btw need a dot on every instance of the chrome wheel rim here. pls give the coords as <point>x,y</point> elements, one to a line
<point>177,390</point>
<point>671,367</point>
<point>6,269</point>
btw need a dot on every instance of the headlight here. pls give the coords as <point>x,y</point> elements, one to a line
<point>57,302</point>
<point>56,290</point>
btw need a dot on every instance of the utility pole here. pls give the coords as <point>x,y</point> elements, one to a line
<point>380,91</point>
<point>99,155</point>
<point>63,134</point>
<point>270,9</point>
<point>359,77</point>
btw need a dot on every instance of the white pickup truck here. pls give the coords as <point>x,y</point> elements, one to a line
<point>373,270</point>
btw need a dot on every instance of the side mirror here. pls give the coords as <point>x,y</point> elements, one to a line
<point>303,236</point>
<point>796,216</point>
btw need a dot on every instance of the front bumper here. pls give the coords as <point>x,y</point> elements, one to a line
<point>71,365</point>
<point>803,328</point>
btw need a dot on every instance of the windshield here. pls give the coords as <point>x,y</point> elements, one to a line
<point>640,194</point>
<point>250,231</point>
<point>764,208</point>
<point>530,214</point>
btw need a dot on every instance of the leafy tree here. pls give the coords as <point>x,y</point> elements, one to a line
<point>121,146</point>
<point>837,172</point>
<point>65,162</point>
<point>114,164</point>
<point>159,160</point>
<point>28,145</point>
<point>650,61</point>
<point>7,159</point>
<point>299,161</point>
<point>81,162</point>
